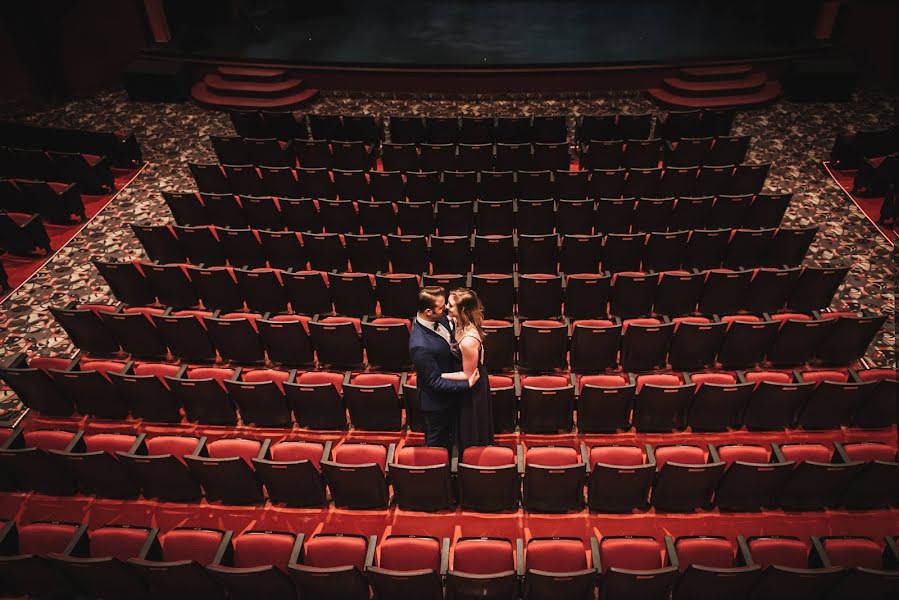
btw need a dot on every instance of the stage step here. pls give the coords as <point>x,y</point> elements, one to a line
<point>768,93</point>
<point>256,89</point>
<point>713,73</point>
<point>753,82</point>
<point>202,94</point>
<point>251,73</point>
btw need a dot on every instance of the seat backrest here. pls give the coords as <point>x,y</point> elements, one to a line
<point>421,456</point>
<point>377,379</point>
<point>868,451</point>
<point>119,542</point>
<point>231,447</point>
<point>552,456</point>
<point>290,451</point>
<point>406,553</point>
<point>109,442</point>
<point>783,552</point>
<point>555,555</point>
<point>45,538</point>
<point>805,452</point>
<point>199,545</point>
<point>687,455</point>
<point>633,553</point>
<point>488,456</point>
<point>854,552</point>
<point>864,375</point>
<point>657,379</point>
<point>750,453</point>
<point>545,381</point>
<point>210,373</point>
<point>622,456</point>
<point>715,378</point>
<point>159,370</point>
<point>602,381</point>
<point>258,549</point>
<point>260,375</point>
<point>48,439</point>
<point>175,445</point>
<point>483,555</point>
<point>821,376</point>
<point>328,551</point>
<point>360,454</point>
<point>705,551</point>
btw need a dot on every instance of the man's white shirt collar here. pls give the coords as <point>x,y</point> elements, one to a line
<point>441,330</point>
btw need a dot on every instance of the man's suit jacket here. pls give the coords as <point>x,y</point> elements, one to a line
<point>431,355</point>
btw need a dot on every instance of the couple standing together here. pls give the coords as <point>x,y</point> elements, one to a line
<point>447,347</point>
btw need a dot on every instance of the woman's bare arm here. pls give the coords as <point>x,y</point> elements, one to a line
<point>469,347</point>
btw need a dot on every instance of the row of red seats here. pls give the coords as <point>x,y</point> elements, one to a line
<point>617,478</point>
<point>502,156</point>
<point>703,401</point>
<point>120,147</point>
<point>431,185</point>
<point>582,295</point>
<point>532,345</point>
<point>371,253</point>
<point>23,234</point>
<point>91,172</point>
<point>488,216</point>
<point>124,561</point>
<point>58,203</point>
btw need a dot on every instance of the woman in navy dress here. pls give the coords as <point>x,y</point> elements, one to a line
<point>476,410</point>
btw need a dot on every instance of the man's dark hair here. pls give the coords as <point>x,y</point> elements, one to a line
<point>427,297</point>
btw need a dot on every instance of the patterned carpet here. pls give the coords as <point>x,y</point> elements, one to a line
<point>794,137</point>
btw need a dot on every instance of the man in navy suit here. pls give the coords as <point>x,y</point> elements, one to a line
<point>430,346</point>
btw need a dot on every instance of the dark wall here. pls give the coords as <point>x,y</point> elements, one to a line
<point>866,31</point>
<point>55,49</point>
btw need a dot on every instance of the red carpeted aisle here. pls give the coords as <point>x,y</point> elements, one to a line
<point>20,268</point>
<point>870,206</point>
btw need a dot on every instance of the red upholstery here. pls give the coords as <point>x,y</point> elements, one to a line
<point>421,456</point>
<point>231,447</point>
<point>357,323</point>
<point>783,552</point>
<point>825,375</point>
<point>360,454</point>
<point>392,321</point>
<point>488,456</point>
<point>716,378</point>
<point>97,308</point>
<point>410,554</point>
<point>335,379</point>
<point>854,552</point>
<point>685,455</point>
<point>199,545</point>
<point>46,363</point>
<point>210,373</point>
<point>869,374</point>
<point>483,556</point>
<point>749,453</point>
<point>538,276</point>
<point>119,542</point>
<point>839,314</point>
<point>20,218</point>
<point>731,319</point>
<point>175,445</point>
<point>552,456</point>
<point>635,554</point>
<point>784,317</point>
<point>706,552</point>
<point>412,380</point>
<point>657,379</point>
<point>159,370</point>
<point>261,549</point>
<point>595,323</point>
<point>199,314</point>
<point>145,311</point>
<point>290,451</point>
<point>695,320</point>
<point>868,451</point>
<point>251,317</point>
<point>769,376</point>
<point>544,323</point>
<point>322,274</point>
<point>620,456</point>
<point>5,434</point>
<point>497,323</point>
<point>377,379</point>
<point>497,381</point>
<point>615,276</point>
<point>805,452</point>
<point>45,538</point>
<point>103,366</point>
<point>261,375</point>
<point>302,319</point>
<point>602,381</point>
<point>327,551</point>
<point>109,442</point>
<point>556,556</point>
<point>639,322</point>
<point>48,439</point>
<point>545,381</point>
